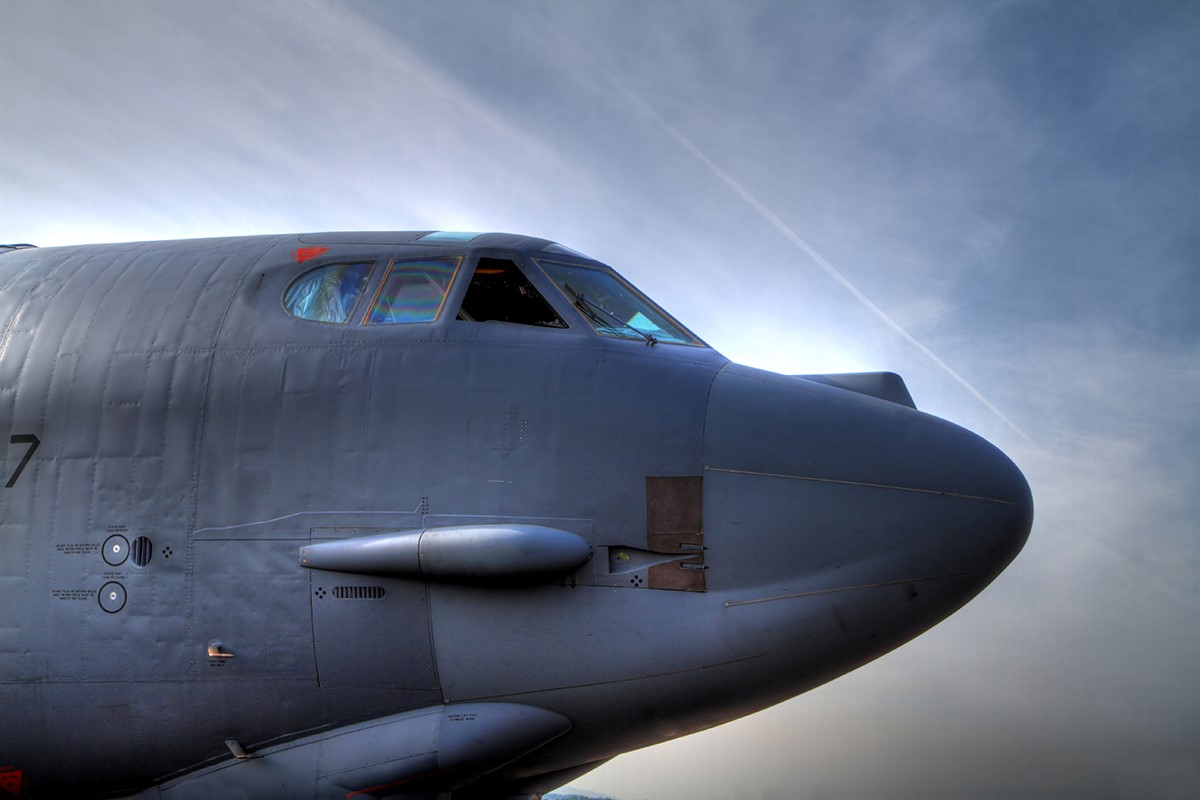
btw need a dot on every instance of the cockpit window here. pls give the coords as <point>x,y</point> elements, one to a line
<point>413,291</point>
<point>327,294</point>
<point>455,237</point>
<point>613,307</point>
<point>499,291</point>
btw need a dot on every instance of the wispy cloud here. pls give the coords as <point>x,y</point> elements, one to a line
<point>794,238</point>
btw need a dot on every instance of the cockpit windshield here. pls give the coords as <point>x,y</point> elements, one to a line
<point>613,307</point>
<point>499,292</point>
<point>414,290</point>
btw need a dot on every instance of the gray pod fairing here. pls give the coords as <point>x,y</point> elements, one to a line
<point>483,552</point>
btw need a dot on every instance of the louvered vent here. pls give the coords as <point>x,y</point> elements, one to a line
<point>141,551</point>
<point>358,592</point>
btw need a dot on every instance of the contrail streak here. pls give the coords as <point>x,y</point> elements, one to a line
<point>770,216</point>
<point>820,261</point>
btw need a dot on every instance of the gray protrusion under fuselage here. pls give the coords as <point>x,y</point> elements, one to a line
<point>594,532</point>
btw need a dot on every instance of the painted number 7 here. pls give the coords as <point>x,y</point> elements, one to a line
<point>22,438</point>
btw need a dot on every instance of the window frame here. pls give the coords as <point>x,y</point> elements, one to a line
<point>531,274</point>
<point>371,263</point>
<point>365,324</point>
<point>695,341</point>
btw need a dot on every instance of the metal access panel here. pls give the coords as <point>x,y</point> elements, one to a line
<point>371,632</point>
<point>250,615</point>
<point>674,525</point>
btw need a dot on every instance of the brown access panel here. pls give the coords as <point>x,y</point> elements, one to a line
<point>674,517</point>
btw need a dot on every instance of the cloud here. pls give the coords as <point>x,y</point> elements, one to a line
<point>303,114</point>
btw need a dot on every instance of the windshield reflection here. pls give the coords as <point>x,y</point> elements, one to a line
<point>613,307</point>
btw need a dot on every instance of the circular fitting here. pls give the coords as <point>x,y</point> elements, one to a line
<point>112,597</point>
<point>115,550</point>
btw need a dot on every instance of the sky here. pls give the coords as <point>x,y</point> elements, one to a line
<point>998,200</point>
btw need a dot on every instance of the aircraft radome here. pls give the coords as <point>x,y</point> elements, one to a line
<point>431,515</point>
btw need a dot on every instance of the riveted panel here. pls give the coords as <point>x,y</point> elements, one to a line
<point>380,640</point>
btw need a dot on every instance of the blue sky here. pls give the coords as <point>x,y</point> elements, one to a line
<point>1012,188</point>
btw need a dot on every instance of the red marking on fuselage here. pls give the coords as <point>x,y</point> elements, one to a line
<point>303,254</point>
<point>12,780</point>
<point>370,790</point>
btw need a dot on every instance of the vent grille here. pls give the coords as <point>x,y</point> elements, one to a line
<point>142,551</point>
<point>358,592</point>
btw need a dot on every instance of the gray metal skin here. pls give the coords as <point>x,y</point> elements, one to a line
<point>173,398</point>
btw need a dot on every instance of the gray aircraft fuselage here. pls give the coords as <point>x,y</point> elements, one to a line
<point>419,515</point>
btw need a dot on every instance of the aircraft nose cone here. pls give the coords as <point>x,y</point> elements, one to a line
<point>987,546</point>
<point>820,489</point>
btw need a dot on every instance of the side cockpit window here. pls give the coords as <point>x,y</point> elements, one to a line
<point>328,293</point>
<point>413,291</point>
<point>500,292</point>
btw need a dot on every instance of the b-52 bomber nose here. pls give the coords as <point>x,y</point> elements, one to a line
<point>413,513</point>
<point>822,503</point>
